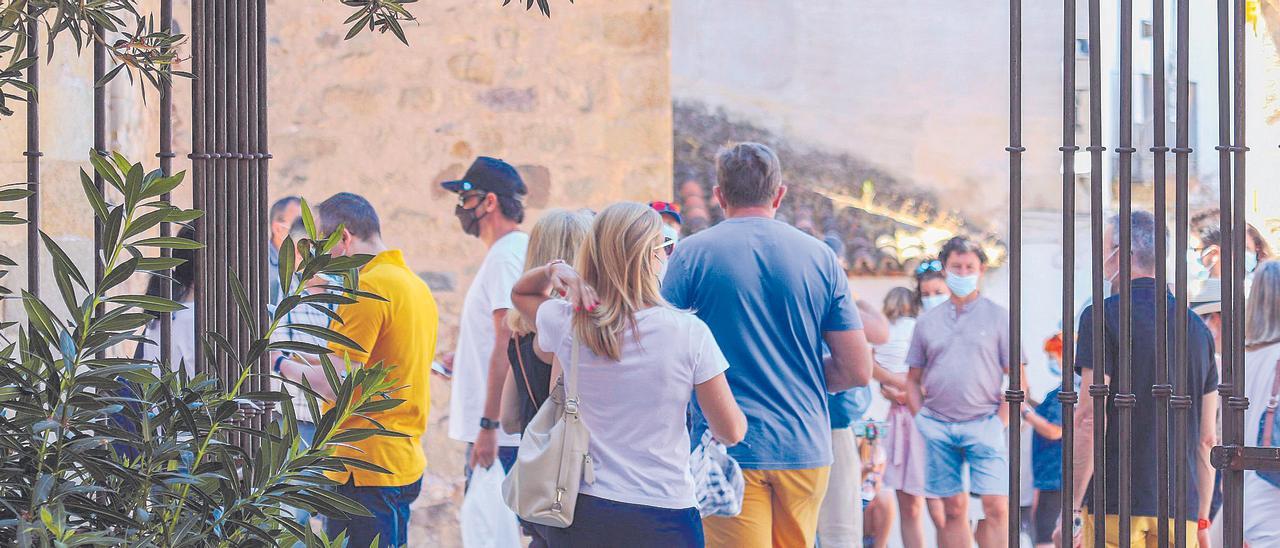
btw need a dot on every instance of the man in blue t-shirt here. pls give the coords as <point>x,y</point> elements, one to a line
<point>771,295</point>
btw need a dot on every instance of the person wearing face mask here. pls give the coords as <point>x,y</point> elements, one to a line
<point>490,208</point>
<point>959,359</point>
<point>1205,256</point>
<point>1201,386</point>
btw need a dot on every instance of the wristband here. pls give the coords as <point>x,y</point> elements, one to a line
<point>1203,524</point>
<point>276,367</point>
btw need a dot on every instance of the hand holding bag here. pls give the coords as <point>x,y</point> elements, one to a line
<point>553,461</point>
<point>717,478</point>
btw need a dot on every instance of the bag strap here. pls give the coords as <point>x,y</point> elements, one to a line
<point>523,372</point>
<point>571,380</point>
<point>1269,414</point>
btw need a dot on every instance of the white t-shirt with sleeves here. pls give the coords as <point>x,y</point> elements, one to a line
<point>490,292</point>
<point>635,407</point>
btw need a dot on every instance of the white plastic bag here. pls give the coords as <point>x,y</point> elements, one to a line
<point>486,520</point>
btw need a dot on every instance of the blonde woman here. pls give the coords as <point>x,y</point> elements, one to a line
<point>640,362</point>
<point>1261,360</point>
<point>556,237</point>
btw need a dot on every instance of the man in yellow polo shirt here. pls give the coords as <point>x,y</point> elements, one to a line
<point>401,334</point>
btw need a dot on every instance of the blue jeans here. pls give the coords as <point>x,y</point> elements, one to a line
<point>390,509</point>
<point>950,444</point>
<point>602,522</point>
<point>306,433</point>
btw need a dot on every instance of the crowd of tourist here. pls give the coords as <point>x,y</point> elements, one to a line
<point>748,335</point>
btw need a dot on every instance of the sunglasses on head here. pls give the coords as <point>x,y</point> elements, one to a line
<point>665,206</point>
<point>929,266</point>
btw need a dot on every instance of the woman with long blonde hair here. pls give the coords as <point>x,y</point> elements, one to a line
<point>640,361</point>
<point>556,237</point>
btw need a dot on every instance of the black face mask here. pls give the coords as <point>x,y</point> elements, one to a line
<point>469,220</point>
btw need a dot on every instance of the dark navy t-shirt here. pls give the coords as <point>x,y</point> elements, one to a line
<point>1201,379</point>
<point>768,292</point>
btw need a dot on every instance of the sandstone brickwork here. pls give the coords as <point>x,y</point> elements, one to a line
<point>579,102</point>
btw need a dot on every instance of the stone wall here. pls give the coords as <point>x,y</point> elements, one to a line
<point>580,102</point>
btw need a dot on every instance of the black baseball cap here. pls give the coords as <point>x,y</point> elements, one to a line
<point>490,175</point>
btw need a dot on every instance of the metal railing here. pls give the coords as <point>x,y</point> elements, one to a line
<point>1172,390</point>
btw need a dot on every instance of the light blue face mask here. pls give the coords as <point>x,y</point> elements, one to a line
<point>932,301</point>
<point>962,286</point>
<point>1250,261</point>
<point>1196,269</point>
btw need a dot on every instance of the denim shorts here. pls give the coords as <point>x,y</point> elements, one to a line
<point>950,445</point>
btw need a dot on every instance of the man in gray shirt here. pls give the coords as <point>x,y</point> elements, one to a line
<point>959,357</point>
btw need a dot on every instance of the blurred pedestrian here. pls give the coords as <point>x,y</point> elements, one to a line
<point>639,361</point>
<point>771,294</point>
<point>398,331</point>
<point>959,359</point>
<point>1262,384</point>
<point>490,208</point>
<point>1203,377</point>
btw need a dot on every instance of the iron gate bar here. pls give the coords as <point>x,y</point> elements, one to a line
<point>216,240</point>
<point>253,224</point>
<point>1098,388</point>
<point>1227,252</point>
<point>1181,401</point>
<point>199,168</point>
<point>1161,391</point>
<point>33,154</point>
<point>233,234</point>
<point>166,167</point>
<point>257,18</point>
<point>1015,395</point>
<point>1067,395</point>
<point>1124,399</point>
<point>263,158</point>
<point>1236,402</point>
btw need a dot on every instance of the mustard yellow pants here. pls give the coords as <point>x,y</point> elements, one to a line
<point>779,509</point>
<point>1143,532</point>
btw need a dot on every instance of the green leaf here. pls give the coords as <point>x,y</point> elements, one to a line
<point>309,221</point>
<point>327,335</point>
<point>62,262</point>
<point>154,264</point>
<point>15,194</point>
<point>117,275</point>
<point>163,185</point>
<point>95,198</point>
<point>168,242</point>
<point>106,170</point>
<point>147,302</point>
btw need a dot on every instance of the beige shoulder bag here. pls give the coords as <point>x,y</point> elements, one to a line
<point>553,461</point>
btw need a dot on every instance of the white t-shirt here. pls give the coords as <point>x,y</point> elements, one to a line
<point>489,293</point>
<point>892,355</point>
<point>182,342</point>
<point>635,408</point>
